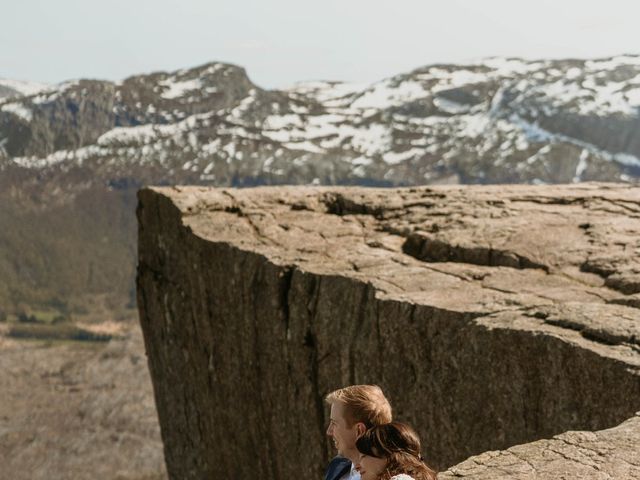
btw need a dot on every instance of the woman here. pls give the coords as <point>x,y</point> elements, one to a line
<point>391,452</point>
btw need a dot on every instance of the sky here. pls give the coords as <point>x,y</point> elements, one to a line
<point>281,42</point>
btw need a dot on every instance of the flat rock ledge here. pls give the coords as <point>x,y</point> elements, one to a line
<point>502,321</point>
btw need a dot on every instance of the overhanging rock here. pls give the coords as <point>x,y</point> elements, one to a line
<point>491,316</point>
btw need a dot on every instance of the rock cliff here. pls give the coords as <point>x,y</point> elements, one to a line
<point>491,316</point>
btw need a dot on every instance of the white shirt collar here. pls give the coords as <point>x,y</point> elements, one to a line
<point>353,473</point>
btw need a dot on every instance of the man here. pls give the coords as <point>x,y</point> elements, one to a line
<point>354,409</point>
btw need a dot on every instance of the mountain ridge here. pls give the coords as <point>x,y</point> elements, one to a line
<point>483,123</point>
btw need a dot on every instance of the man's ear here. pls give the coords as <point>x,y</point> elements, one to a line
<point>360,429</point>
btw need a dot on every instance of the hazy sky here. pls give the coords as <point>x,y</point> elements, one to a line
<point>281,42</point>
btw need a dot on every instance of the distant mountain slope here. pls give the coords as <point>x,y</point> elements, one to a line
<point>18,87</point>
<point>501,120</point>
<point>72,155</point>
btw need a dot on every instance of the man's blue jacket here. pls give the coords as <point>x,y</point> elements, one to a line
<point>337,468</point>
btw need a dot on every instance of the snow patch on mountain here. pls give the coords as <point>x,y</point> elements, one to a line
<point>332,94</point>
<point>590,97</point>
<point>613,63</point>
<point>52,94</point>
<point>447,79</point>
<point>450,106</point>
<point>582,165</point>
<point>511,66</point>
<point>19,110</point>
<point>145,134</point>
<point>24,88</point>
<point>626,159</point>
<point>176,89</point>
<point>244,105</point>
<point>77,156</point>
<point>389,93</point>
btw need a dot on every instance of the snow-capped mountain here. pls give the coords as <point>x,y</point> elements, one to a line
<point>498,120</point>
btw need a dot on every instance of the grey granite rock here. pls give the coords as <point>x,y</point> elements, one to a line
<point>605,454</point>
<point>474,308</point>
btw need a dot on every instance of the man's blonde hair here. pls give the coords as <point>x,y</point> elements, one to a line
<point>363,403</point>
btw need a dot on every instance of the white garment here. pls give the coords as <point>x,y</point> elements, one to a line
<point>352,474</point>
<point>402,476</point>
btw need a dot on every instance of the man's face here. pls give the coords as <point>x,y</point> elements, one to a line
<point>344,437</point>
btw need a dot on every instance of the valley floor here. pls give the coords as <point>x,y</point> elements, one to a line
<point>78,409</point>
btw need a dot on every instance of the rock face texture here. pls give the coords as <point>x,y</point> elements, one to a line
<point>491,316</point>
<point>605,454</point>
